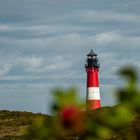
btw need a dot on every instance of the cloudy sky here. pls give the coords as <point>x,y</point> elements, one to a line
<point>43,45</point>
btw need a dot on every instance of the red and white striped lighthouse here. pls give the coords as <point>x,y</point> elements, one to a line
<point>93,92</point>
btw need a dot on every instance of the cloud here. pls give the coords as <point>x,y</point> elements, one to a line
<point>33,62</point>
<point>4,69</point>
<point>91,15</point>
<point>106,38</point>
<point>39,29</point>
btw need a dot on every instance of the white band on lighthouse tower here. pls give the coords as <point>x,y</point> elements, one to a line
<point>93,93</point>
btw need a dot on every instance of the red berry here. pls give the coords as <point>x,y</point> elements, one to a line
<point>70,116</point>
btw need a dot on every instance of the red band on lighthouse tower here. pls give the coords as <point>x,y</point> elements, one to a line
<point>93,92</point>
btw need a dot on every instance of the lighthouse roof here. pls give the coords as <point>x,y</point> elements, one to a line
<point>92,53</point>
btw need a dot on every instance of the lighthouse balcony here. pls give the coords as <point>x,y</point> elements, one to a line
<point>93,64</point>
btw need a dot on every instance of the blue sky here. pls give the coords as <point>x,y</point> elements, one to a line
<point>43,45</point>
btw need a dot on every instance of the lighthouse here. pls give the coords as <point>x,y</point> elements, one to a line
<point>93,93</point>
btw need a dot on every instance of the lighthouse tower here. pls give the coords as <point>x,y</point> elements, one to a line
<point>93,93</point>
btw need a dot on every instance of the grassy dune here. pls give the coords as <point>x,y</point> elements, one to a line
<point>13,124</point>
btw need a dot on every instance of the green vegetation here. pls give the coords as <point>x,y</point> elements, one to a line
<point>14,125</point>
<point>70,121</point>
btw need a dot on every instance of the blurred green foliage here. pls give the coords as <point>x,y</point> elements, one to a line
<point>71,121</point>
